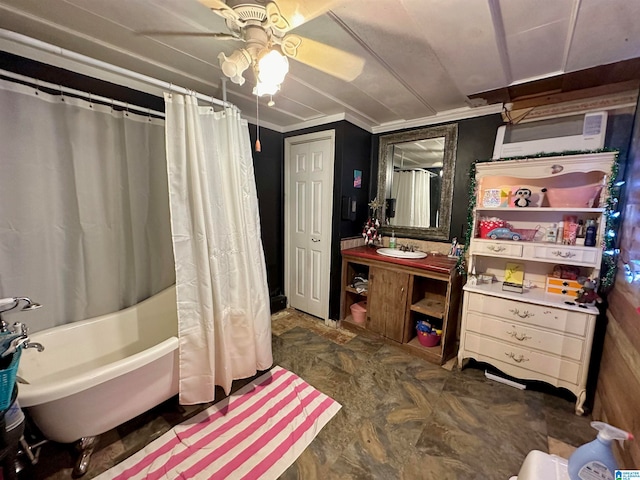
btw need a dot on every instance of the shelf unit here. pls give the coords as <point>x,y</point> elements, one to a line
<point>534,335</point>
<point>401,292</point>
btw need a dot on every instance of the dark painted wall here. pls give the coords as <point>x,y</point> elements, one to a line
<point>268,165</point>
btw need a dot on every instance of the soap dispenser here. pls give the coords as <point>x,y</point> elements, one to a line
<point>392,240</point>
<point>595,460</point>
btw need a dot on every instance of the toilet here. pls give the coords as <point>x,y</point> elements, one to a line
<point>543,466</point>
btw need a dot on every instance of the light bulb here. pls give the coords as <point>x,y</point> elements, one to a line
<point>272,68</point>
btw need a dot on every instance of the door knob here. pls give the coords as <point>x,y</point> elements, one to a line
<point>315,239</point>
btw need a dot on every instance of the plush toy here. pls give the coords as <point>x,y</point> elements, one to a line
<point>523,197</point>
<point>588,294</point>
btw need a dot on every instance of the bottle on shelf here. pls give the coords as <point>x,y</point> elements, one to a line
<point>590,234</point>
<point>580,234</point>
<point>551,235</point>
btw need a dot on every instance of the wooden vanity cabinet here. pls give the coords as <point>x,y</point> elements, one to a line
<point>387,305</point>
<point>400,293</point>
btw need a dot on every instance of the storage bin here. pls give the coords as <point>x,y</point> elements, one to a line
<point>428,339</point>
<point>8,380</point>
<point>359,312</point>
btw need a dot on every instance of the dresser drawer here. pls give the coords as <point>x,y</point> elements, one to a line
<point>528,313</point>
<point>567,254</point>
<point>497,248</point>
<point>545,364</point>
<point>525,336</point>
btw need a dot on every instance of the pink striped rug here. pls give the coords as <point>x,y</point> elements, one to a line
<point>256,433</point>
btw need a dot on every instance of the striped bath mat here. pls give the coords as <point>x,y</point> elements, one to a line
<point>256,433</point>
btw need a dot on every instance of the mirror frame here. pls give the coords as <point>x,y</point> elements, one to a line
<point>450,134</point>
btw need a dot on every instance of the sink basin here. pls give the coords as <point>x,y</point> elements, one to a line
<point>394,252</point>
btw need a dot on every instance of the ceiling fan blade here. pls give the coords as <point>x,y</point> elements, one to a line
<point>221,8</point>
<point>167,33</point>
<point>286,15</point>
<point>331,60</point>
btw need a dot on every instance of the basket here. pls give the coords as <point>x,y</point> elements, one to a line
<point>485,225</point>
<point>359,312</point>
<point>526,234</point>
<point>428,339</point>
<point>8,380</point>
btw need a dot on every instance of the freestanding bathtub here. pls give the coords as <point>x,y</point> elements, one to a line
<point>96,374</point>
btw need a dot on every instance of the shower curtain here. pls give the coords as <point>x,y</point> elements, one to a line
<point>84,209</point>
<point>221,281</point>
<point>412,192</point>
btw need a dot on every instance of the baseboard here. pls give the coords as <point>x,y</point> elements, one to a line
<point>278,302</point>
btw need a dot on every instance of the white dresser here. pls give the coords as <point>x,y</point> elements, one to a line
<point>533,335</point>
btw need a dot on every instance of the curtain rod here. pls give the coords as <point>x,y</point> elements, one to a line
<point>34,82</point>
<point>47,47</point>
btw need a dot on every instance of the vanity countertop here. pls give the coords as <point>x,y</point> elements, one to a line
<point>433,262</point>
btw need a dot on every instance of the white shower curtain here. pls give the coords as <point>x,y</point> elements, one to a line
<point>221,281</point>
<point>412,192</point>
<point>84,208</point>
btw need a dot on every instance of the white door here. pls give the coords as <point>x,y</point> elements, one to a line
<point>309,163</point>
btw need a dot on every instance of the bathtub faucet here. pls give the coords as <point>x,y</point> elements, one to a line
<point>38,346</point>
<point>23,330</point>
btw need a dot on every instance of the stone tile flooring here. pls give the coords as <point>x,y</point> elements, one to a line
<point>401,417</point>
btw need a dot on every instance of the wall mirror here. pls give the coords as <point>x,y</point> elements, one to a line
<point>415,182</point>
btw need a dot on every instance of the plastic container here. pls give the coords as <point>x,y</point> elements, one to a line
<point>359,312</point>
<point>595,459</point>
<point>428,339</point>
<point>8,380</point>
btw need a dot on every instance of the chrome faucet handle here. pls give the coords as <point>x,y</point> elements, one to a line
<point>19,327</point>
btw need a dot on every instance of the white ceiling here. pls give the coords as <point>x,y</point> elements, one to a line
<point>424,58</point>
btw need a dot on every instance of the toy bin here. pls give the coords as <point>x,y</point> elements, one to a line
<point>359,312</point>
<point>428,339</point>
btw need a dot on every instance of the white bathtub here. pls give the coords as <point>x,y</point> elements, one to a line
<point>95,374</point>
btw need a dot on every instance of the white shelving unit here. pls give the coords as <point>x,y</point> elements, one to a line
<point>534,335</point>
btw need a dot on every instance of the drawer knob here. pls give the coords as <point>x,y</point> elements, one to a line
<point>561,254</point>
<point>517,359</point>
<point>496,248</point>
<point>524,314</point>
<point>520,337</point>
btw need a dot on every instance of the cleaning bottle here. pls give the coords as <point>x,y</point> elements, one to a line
<point>595,460</point>
<point>392,240</point>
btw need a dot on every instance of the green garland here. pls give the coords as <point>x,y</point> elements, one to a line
<point>608,243</point>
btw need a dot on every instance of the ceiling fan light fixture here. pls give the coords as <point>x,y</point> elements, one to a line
<point>261,89</point>
<point>272,68</point>
<point>235,64</point>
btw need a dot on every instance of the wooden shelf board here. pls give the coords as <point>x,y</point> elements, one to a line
<point>429,306</point>
<point>432,354</point>
<point>353,290</point>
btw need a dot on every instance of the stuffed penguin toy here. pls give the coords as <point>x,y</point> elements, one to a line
<point>523,197</point>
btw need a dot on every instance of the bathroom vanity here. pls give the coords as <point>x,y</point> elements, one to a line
<point>400,292</point>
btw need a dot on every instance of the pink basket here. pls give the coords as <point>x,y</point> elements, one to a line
<point>527,234</point>
<point>428,339</point>
<point>359,312</point>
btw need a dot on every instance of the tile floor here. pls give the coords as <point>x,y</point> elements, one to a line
<point>401,417</point>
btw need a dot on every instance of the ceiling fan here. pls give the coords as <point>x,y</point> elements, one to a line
<point>264,26</point>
